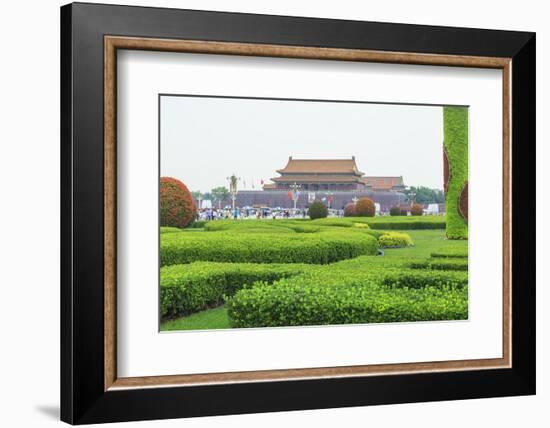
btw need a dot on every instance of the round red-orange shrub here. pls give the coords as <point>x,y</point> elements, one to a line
<point>177,208</point>
<point>349,210</point>
<point>365,207</point>
<point>417,209</point>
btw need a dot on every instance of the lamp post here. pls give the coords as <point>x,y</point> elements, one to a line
<point>412,195</point>
<point>329,198</point>
<point>295,193</point>
<point>199,199</point>
<point>233,183</point>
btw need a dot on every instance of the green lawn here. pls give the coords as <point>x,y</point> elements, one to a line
<point>426,242</point>
<point>208,319</point>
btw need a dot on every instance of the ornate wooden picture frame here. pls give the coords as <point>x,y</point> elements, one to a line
<point>91,389</point>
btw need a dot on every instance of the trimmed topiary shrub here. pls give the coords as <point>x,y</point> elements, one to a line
<point>441,264</point>
<point>379,222</point>
<point>395,239</point>
<point>317,210</point>
<point>334,222</point>
<point>177,208</point>
<point>365,207</point>
<point>422,279</point>
<point>451,254</point>
<point>417,209</point>
<point>376,233</point>
<point>349,210</point>
<point>265,247</point>
<point>304,228</point>
<point>185,289</point>
<point>300,300</point>
<point>455,130</point>
<point>409,223</point>
<point>395,211</point>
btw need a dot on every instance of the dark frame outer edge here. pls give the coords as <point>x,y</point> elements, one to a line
<point>66,316</point>
<point>524,216</point>
<point>83,399</point>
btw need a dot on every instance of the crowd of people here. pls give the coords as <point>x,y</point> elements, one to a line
<point>210,214</point>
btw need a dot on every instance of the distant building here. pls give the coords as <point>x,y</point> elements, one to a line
<point>335,182</point>
<point>379,184</point>
<point>330,175</point>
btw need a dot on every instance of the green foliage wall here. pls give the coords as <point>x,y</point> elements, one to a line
<point>455,129</point>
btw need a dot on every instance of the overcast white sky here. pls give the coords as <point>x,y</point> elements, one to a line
<point>205,140</point>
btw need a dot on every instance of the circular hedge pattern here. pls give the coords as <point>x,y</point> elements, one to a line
<point>177,208</point>
<point>365,207</point>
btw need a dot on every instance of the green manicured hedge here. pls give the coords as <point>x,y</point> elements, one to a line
<point>442,264</point>
<point>268,247</point>
<point>279,226</point>
<point>376,233</point>
<point>403,222</point>
<point>422,279</point>
<point>335,222</point>
<point>452,254</point>
<point>304,228</point>
<point>387,222</point>
<point>379,223</point>
<point>455,130</point>
<point>406,223</point>
<point>303,272</point>
<point>298,301</point>
<point>185,289</point>
<point>242,225</point>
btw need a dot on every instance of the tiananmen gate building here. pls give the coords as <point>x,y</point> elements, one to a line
<point>330,175</point>
<point>336,182</point>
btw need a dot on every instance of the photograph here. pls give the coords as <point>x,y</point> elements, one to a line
<point>273,211</point>
<point>304,212</point>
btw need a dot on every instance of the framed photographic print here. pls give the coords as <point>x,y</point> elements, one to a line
<point>265,213</point>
